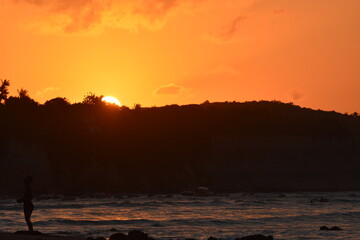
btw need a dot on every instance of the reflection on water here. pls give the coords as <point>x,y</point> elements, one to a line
<point>293,216</point>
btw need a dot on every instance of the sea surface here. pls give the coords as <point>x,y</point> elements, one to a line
<point>285,215</point>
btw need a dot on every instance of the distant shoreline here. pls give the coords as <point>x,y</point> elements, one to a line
<point>60,195</point>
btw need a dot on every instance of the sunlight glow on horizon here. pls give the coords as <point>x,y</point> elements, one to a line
<point>112,100</point>
<point>158,53</point>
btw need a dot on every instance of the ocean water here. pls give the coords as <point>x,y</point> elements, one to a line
<point>285,216</point>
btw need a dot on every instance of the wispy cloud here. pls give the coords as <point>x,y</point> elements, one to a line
<point>241,23</point>
<point>48,89</point>
<point>170,89</point>
<point>74,16</point>
<point>296,95</point>
<point>228,31</point>
<point>232,28</point>
<point>281,11</point>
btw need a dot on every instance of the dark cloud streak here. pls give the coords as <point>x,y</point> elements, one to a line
<point>228,31</point>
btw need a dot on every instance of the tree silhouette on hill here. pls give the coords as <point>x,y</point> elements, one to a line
<point>92,99</point>
<point>227,146</point>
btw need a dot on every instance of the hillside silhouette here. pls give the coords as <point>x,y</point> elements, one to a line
<point>230,146</point>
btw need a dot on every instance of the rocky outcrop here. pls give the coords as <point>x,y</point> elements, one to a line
<point>334,228</point>
<point>256,237</point>
<point>132,235</point>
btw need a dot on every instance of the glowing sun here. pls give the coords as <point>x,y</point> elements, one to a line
<point>112,100</point>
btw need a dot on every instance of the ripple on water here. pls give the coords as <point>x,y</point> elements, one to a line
<point>289,216</point>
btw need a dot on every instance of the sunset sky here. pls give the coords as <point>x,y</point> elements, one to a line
<point>158,52</point>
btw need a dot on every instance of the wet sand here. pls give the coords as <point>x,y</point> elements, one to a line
<point>12,236</point>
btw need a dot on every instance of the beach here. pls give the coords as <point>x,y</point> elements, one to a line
<point>12,236</point>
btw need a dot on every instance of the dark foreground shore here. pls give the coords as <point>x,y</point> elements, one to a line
<point>12,236</point>
<point>132,235</point>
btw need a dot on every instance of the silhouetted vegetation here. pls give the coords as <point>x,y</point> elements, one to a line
<point>231,146</point>
<point>4,91</point>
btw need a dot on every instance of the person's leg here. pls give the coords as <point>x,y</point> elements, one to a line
<point>27,213</point>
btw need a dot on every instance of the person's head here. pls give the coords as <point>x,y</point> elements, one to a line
<point>28,180</point>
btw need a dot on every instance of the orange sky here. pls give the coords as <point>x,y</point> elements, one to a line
<point>158,52</point>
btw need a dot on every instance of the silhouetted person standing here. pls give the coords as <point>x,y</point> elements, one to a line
<point>28,205</point>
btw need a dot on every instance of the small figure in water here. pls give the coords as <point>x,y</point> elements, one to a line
<point>322,199</point>
<point>28,205</point>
